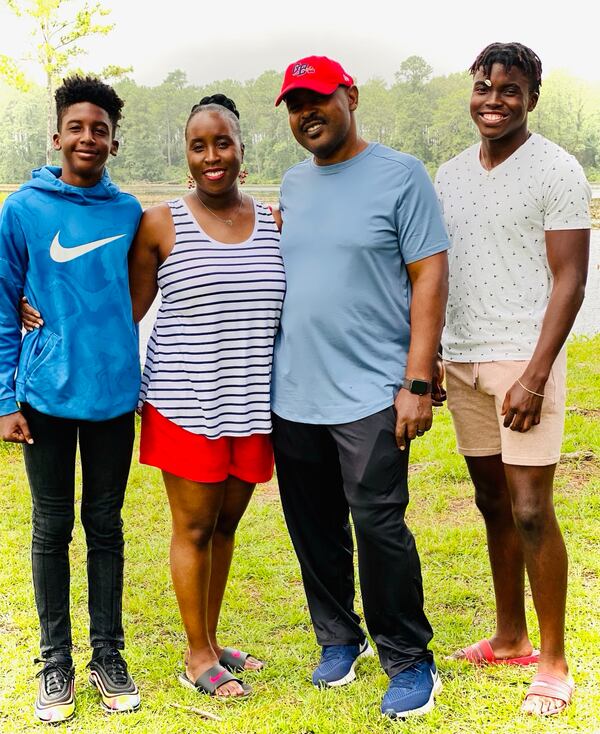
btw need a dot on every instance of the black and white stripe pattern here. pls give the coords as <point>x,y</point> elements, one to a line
<point>208,363</point>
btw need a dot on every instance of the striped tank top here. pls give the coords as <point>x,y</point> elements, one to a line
<point>208,362</point>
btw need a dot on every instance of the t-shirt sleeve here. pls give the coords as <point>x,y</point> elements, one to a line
<point>567,196</point>
<point>13,265</point>
<point>421,230</point>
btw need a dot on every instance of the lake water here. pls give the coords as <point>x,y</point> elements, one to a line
<point>587,322</point>
<point>588,319</point>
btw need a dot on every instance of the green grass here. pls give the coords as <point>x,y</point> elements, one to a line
<point>265,610</point>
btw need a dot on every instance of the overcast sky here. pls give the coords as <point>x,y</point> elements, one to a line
<point>239,40</point>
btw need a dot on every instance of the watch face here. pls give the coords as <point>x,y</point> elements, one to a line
<point>419,387</point>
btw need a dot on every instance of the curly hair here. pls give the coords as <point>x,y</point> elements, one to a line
<point>218,103</point>
<point>78,88</point>
<point>509,55</point>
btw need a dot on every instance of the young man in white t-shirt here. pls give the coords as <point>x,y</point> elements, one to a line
<point>517,210</point>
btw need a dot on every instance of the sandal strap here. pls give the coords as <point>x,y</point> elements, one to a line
<point>233,659</point>
<point>546,684</point>
<point>214,678</point>
<point>478,652</point>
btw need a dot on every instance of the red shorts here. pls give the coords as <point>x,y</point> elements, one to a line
<point>170,447</point>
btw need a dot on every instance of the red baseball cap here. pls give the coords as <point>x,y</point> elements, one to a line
<point>318,73</point>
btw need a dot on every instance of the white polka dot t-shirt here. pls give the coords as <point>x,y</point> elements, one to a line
<point>500,281</point>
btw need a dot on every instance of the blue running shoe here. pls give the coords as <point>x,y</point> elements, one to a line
<point>411,691</point>
<point>336,667</point>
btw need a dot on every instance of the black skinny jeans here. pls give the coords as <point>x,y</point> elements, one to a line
<point>105,449</point>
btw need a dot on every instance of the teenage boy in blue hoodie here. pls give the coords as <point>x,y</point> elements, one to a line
<point>64,240</point>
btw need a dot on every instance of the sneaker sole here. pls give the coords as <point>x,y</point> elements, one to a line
<point>425,709</point>
<point>351,675</point>
<point>57,713</point>
<point>122,703</point>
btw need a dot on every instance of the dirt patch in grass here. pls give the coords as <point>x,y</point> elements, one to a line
<point>416,468</point>
<point>463,510</point>
<point>268,492</point>
<point>587,412</point>
<point>589,576</point>
<point>576,473</point>
<point>7,626</point>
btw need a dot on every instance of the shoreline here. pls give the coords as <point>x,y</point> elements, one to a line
<point>150,194</point>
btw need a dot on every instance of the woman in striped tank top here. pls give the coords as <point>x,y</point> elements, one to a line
<point>215,256</point>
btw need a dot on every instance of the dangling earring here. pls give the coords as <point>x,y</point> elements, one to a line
<point>191,182</point>
<point>242,176</point>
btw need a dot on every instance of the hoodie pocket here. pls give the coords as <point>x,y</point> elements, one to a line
<point>41,351</point>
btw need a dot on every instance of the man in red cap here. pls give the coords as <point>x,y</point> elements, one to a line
<point>364,248</point>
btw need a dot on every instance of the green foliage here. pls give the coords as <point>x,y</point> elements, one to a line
<point>425,115</point>
<point>10,72</point>
<point>22,138</point>
<point>569,114</point>
<point>57,30</point>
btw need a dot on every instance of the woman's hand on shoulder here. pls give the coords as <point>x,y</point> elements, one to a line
<point>277,216</point>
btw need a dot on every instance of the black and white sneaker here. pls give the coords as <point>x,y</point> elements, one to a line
<point>56,692</point>
<point>108,672</point>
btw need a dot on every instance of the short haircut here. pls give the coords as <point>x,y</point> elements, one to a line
<point>75,89</point>
<point>218,103</point>
<point>509,55</point>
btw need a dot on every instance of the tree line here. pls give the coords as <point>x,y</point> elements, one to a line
<point>418,113</point>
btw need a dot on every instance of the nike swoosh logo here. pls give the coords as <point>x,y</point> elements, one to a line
<point>62,254</point>
<point>214,679</point>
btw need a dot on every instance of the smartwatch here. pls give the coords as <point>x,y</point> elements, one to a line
<point>417,387</point>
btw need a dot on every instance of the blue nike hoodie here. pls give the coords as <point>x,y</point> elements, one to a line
<point>65,248</point>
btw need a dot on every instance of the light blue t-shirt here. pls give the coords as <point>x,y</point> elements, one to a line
<point>349,229</point>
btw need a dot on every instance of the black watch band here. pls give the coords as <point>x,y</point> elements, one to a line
<point>417,387</point>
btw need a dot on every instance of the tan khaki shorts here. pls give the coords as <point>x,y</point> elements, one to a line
<point>476,392</point>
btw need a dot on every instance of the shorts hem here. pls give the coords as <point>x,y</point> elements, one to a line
<point>478,452</point>
<point>530,460</point>
<point>245,477</point>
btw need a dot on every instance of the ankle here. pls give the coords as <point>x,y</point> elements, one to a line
<point>62,658</point>
<point>511,645</point>
<point>98,652</point>
<point>511,639</point>
<point>553,664</point>
<point>200,657</point>
<point>218,650</point>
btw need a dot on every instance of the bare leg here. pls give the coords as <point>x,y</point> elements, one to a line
<point>506,555</point>
<point>531,489</point>
<point>194,509</point>
<point>236,499</point>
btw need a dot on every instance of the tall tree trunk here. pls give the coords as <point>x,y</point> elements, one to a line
<point>49,116</point>
<point>169,162</point>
